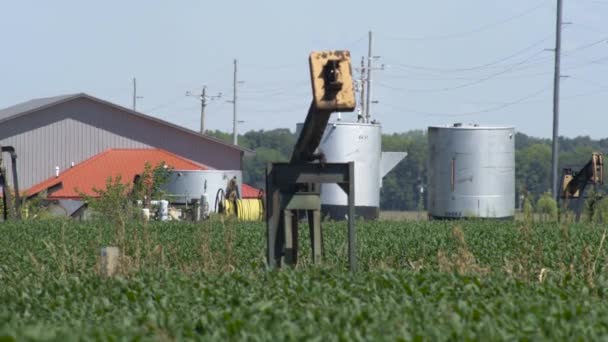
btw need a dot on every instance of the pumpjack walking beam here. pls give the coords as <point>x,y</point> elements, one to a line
<point>295,185</point>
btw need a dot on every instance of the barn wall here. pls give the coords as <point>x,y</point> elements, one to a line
<point>77,130</point>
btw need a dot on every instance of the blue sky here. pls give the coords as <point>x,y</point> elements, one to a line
<point>445,61</point>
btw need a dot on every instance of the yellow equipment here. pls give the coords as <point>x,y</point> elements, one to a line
<point>229,202</point>
<point>575,183</point>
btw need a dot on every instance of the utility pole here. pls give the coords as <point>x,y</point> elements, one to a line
<point>362,84</point>
<point>203,98</point>
<point>234,117</point>
<point>203,105</point>
<point>135,97</point>
<point>556,79</point>
<point>369,78</point>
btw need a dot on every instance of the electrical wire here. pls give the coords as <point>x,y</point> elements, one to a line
<point>472,83</point>
<point>482,111</point>
<point>476,30</point>
<point>481,66</point>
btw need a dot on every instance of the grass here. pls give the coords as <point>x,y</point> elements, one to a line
<point>475,280</point>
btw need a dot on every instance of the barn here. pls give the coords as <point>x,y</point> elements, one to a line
<point>52,134</point>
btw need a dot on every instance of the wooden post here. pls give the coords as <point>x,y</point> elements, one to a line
<point>109,261</point>
<point>352,234</point>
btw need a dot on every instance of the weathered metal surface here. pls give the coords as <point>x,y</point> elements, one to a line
<point>282,182</point>
<point>471,172</point>
<point>81,128</point>
<point>291,186</point>
<point>303,201</point>
<point>360,143</point>
<point>184,186</point>
<point>333,90</point>
<point>332,82</point>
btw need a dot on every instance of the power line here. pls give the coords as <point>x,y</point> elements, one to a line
<point>476,30</point>
<point>597,84</point>
<point>518,66</point>
<point>485,110</point>
<point>472,83</point>
<point>164,105</point>
<point>481,66</point>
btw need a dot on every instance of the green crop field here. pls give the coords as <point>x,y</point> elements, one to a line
<point>470,280</point>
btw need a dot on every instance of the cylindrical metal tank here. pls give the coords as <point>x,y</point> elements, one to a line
<point>358,142</point>
<point>184,186</point>
<point>471,171</point>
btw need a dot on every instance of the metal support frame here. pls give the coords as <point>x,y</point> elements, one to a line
<point>291,187</point>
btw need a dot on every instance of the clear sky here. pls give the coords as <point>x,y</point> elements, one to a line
<point>445,61</point>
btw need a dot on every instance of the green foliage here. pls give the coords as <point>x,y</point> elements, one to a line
<point>112,202</point>
<point>599,213</point>
<point>270,146</point>
<point>34,208</point>
<point>533,168</point>
<point>528,210</point>
<point>116,200</point>
<point>255,167</point>
<point>400,187</point>
<point>547,208</point>
<point>417,281</point>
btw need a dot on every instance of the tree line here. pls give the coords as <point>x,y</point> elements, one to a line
<point>401,187</point>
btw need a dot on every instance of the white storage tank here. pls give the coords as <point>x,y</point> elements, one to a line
<point>361,143</point>
<point>186,185</point>
<point>471,171</point>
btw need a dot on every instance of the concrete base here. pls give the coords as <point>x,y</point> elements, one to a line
<point>338,212</point>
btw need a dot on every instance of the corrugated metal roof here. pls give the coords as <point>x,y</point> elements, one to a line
<point>35,105</point>
<point>94,172</point>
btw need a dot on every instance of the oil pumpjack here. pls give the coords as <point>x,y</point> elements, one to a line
<point>294,186</point>
<point>574,184</point>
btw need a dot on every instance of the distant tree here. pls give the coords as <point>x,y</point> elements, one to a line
<point>533,168</point>
<point>400,190</point>
<point>547,207</point>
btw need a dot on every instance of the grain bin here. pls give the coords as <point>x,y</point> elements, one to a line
<point>471,171</point>
<point>361,143</point>
<point>186,185</point>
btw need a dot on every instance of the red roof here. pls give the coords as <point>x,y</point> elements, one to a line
<point>247,191</point>
<point>93,172</point>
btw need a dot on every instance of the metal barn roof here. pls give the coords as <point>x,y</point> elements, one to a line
<point>39,104</point>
